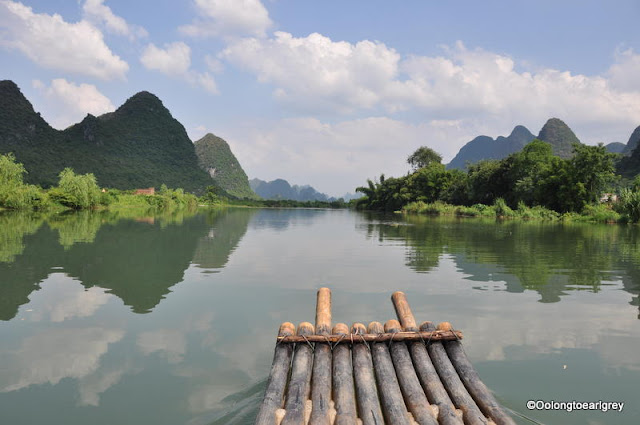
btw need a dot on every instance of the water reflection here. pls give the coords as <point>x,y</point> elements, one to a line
<point>225,231</point>
<point>201,356</point>
<point>137,259</point>
<point>549,258</point>
<point>55,354</point>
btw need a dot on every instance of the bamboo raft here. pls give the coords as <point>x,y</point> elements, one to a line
<point>398,373</point>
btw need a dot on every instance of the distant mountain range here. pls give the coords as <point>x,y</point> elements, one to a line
<point>484,147</point>
<point>138,145</point>
<point>281,189</point>
<point>555,132</point>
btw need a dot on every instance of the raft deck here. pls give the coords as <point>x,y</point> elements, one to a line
<point>398,373</point>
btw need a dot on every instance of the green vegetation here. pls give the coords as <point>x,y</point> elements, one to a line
<point>76,191</point>
<point>80,192</point>
<point>422,157</point>
<point>14,193</point>
<point>629,204</point>
<point>215,157</point>
<point>530,184</point>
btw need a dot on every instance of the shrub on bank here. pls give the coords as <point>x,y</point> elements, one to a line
<point>629,204</point>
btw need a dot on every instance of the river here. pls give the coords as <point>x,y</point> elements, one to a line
<point>114,318</point>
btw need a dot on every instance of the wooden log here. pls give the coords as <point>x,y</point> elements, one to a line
<point>367,396</point>
<point>276,384</point>
<point>343,389</point>
<point>478,390</point>
<point>299,381</point>
<point>434,390</point>
<point>434,335</point>
<point>393,407</point>
<point>403,311</point>
<point>321,380</point>
<point>323,312</point>
<point>414,396</point>
<point>471,414</point>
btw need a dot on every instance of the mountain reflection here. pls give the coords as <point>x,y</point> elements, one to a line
<point>137,258</point>
<point>549,258</point>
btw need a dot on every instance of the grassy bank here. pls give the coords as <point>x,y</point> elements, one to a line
<point>600,213</point>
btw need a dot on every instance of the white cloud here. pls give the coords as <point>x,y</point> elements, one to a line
<point>53,43</point>
<point>315,74</point>
<point>175,61</point>
<point>624,73</point>
<point>470,82</point>
<point>97,13</point>
<point>51,356</point>
<point>228,18</point>
<point>316,71</point>
<point>70,102</point>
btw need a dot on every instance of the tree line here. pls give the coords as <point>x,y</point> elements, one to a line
<point>78,192</point>
<point>533,177</point>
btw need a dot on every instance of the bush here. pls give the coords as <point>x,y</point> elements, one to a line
<point>502,209</point>
<point>14,194</point>
<point>538,212</point>
<point>433,208</point>
<point>76,191</point>
<point>601,213</point>
<point>629,204</point>
<point>468,212</point>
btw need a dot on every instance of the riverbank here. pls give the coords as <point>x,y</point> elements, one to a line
<point>601,213</point>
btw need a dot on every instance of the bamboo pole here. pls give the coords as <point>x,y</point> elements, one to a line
<point>434,390</point>
<point>343,389</point>
<point>321,380</point>
<point>414,396</point>
<point>274,394</point>
<point>478,390</point>
<point>368,403</point>
<point>299,381</point>
<point>434,335</point>
<point>393,407</point>
<point>471,414</point>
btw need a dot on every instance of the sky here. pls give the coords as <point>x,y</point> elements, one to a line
<point>331,93</point>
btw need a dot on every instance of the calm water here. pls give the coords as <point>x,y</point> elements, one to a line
<point>108,319</point>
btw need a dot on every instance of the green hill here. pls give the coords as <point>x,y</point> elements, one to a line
<point>559,136</point>
<point>138,145</point>
<point>215,157</point>
<point>615,147</point>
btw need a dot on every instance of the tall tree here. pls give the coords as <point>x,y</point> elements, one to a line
<point>422,157</point>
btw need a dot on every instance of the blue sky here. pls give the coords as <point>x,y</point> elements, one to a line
<point>331,93</point>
